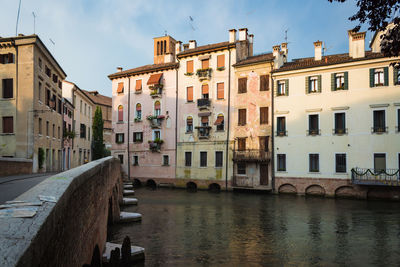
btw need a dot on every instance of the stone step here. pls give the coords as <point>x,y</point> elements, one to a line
<point>129,217</point>
<point>128,186</point>
<point>128,192</point>
<point>137,253</point>
<point>129,201</point>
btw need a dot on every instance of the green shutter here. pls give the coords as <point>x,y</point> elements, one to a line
<point>386,75</point>
<point>319,83</point>
<point>287,87</point>
<point>371,77</point>
<point>333,81</point>
<point>346,80</point>
<point>307,84</point>
<point>395,77</point>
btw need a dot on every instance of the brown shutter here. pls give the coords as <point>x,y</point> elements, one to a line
<point>204,119</point>
<point>242,85</point>
<point>220,90</point>
<point>189,94</point>
<point>219,120</point>
<point>242,144</point>
<point>189,66</point>
<point>138,107</point>
<point>138,86</point>
<point>205,63</point>
<point>220,61</point>
<point>242,116</point>
<point>8,125</point>
<point>120,88</point>
<point>189,121</point>
<point>263,115</point>
<point>204,89</point>
<point>264,82</point>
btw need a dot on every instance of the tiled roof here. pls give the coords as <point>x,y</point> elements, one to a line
<point>144,69</point>
<point>304,63</point>
<point>98,98</point>
<point>255,59</point>
<point>205,48</point>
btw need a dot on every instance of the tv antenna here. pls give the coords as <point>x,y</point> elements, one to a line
<point>16,26</point>
<point>286,38</point>
<point>324,48</point>
<point>191,21</point>
<point>34,22</point>
<point>52,42</point>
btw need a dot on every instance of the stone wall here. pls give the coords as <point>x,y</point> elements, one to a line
<point>65,233</point>
<point>13,166</point>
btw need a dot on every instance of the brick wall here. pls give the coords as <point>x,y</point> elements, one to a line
<point>13,166</point>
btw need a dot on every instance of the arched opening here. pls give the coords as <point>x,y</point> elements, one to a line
<point>137,183</point>
<point>345,192</point>
<point>157,108</point>
<point>287,189</point>
<point>151,184</point>
<point>189,124</point>
<point>315,190</point>
<point>191,187</point>
<point>220,122</point>
<point>138,111</point>
<point>120,113</point>
<point>214,188</point>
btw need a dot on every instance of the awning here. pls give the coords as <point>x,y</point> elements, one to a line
<point>202,114</point>
<point>219,120</point>
<point>120,88</point>
<point>154,79</point>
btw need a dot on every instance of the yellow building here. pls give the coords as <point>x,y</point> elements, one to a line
<point>31,103</point>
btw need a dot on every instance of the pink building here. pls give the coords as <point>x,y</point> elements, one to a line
<point>144,116</point>
<point>68,134</point>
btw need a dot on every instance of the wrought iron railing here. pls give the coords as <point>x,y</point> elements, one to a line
<point>203,102</point>
<point>251,155</point>
<point>314,132</point>
<point>339,131</point>
<point>386,177</point>
<point>204,73</point>
<point>242,181</point>
<point>204,131</point>
<point>281,133</point>
<point>379,129</point>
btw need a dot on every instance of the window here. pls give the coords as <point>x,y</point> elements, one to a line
<point>205,64</point>
<point>120,157</point>
<point>85,109</point>
<point>58,132</point>
<point>48,96</point>
<point>379,77</point>
<point>54,130</point>
<point>242,117</point>
<point>203,159</point>
<point>264,143</point>
<point>55,78</point>
<point>340,165</point>
<point>263,115</point>
<point>8,125</point>
<point>83,131</point>
<point>396,76</point>
<point>314,162</point>
<point>398,120</point>
<point>264,82</point>
<point>138,111</point>
<point>242,85</point>
<point>80,107</point>
<point>40,63</point>
<point>120,88</point>
<point>47,128</point>
<point>219,158</point>
<point>189,124</point>
<point>188,159</point>
<point>313,127</point>
<point>119,138</point>
<point>138,137</point>
<point>157,108</point>
<point>120,113</point>
<point>138,86</point>
<point>7,58</point>
<point>88,134</point>
<point>40,91</point>
<point>339,81</point>
<point>220,90</point>
<point>189,94</point>
<point>379,162</point>
<point>241,144</point>
<point>8,88</point>
<point>241,168</point>
<point>281,162</point>
<point>281,126</point>
<point>59,106</point>
<point>189,66</point>
<point>313,84</point>
<point>135,160</point>
<point>220,122</point>
<point>379,122</point>
<point>40,126</point>
<point>47,71</point>
<point>165,160</point>
<point>156,135</point>
<point>204,91</point>
<point>340,123</point>
<point>221,61</point>
<point>282,88</point>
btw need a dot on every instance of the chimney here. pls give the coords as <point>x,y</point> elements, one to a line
<point>185,47</point>
<point>356,44</point>
<point>232,35</point>
<point>276,50</point>
<point>168,58</point>
<point>317,50</point>
<point>119,69</point>
<point>251,40</point>
<point>192,44</point>
<point>285,51</point>
<point>178,47</point>
<point>243,34</point>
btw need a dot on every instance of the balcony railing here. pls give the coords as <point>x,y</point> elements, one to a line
<point>251,155</point>
<point>386,177</point>
<point>203,103</point>
<point>204,73</point>
<point>155,146</point>
<point>281,133</point>
<point>339,131</point>
<point>314,132</point>
<point>204,131</point>
<point>379,129</point>
<point>242,181</point>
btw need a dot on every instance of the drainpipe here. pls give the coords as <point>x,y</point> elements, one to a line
<point>128,138</point>
<point>272,134</point>
<point>176,121</point>
<point>227,134</point>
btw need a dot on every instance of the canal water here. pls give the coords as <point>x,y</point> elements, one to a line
<point>235,229</point>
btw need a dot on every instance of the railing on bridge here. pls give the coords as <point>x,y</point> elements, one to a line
<point>386,177</point>
<point>251,155</point>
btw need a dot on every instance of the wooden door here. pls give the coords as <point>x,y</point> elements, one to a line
<point>263,174</point>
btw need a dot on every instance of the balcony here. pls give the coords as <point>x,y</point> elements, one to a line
<point>204,131</point>
<point>364,176</point>
<point>379,130</point>
<point>203,103</point>
<point>251,155</point>
<point>281,133</point>
<point>155,121</point>
<point>314,132</point>
<point>155,145</point>
<point>156,90</point>
<point>204,74</point>
<point>339,131</point>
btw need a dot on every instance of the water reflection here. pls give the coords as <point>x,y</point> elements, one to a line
<point>203,229</point>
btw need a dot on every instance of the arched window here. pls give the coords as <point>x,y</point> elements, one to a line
<point>157,108</point>
<point>189,124</point>
<point>162,48</point>
<point>120,113</point>
<point>165,47</point>
<point>158,48</point>
<point>138,111</point>
<point>220,122</point>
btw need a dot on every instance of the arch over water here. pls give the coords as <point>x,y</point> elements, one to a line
<point>214,187</point>
<point>345,192</point>
<point>137,183</point>
<point>287,189</point>
<point>151,183</point>
<point>191,186</point>
<point>315,190</point>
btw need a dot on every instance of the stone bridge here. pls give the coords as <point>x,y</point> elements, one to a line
<point>66,232</point>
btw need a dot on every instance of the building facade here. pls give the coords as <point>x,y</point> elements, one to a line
<point>82,123</point>
<point>336,117</point>
<point>31,106</point>
<point>144,116</point>
<point>68,134</point>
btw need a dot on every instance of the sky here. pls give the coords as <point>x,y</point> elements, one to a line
<point>91,38</point>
